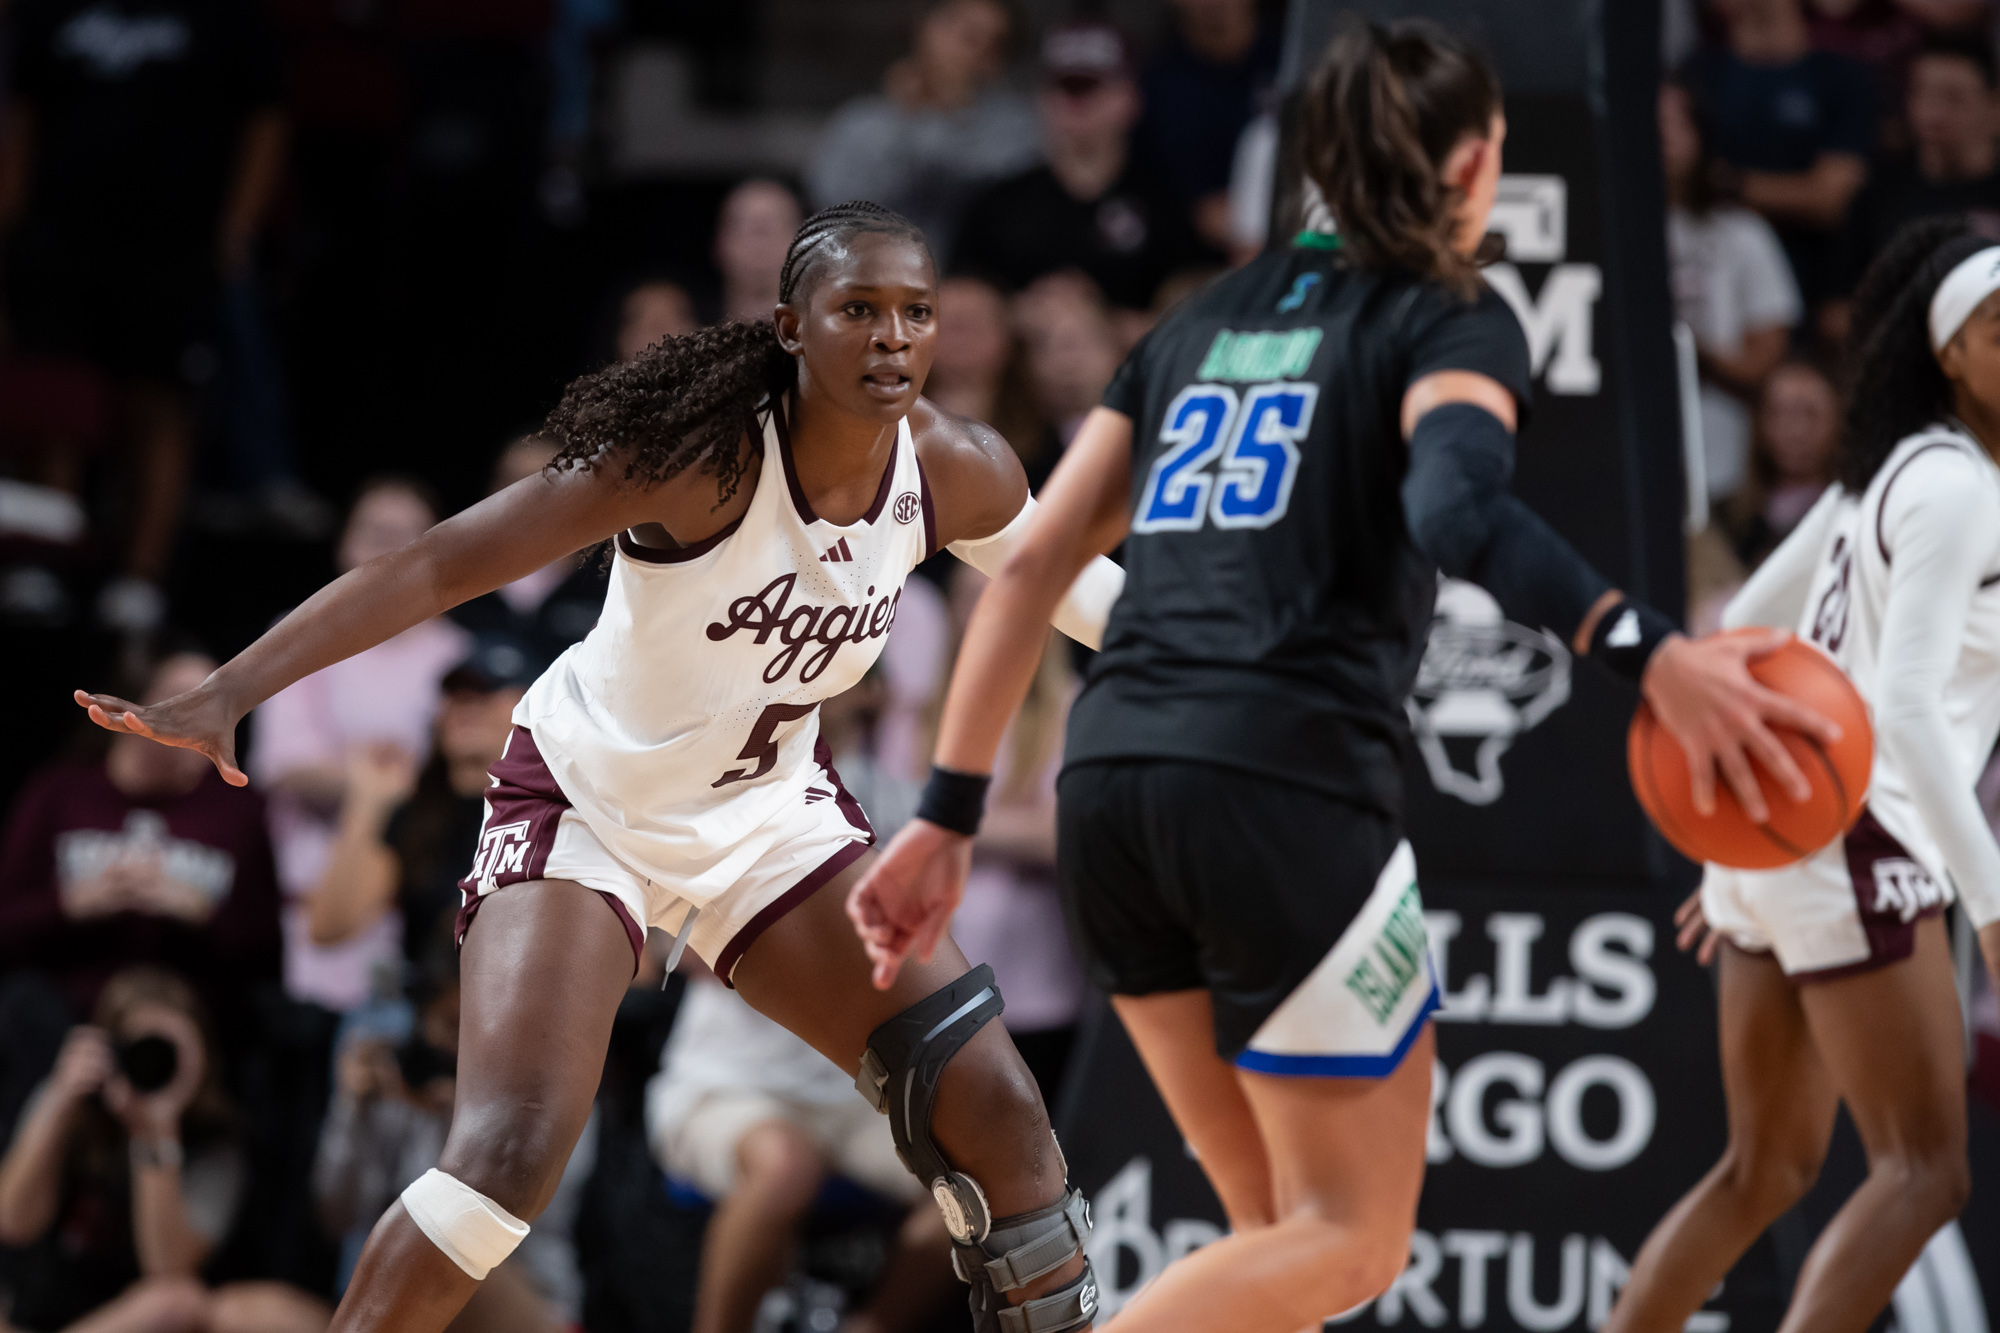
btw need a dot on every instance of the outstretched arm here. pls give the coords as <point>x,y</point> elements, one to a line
<point>1460,428</point>
<point>500,539</point>
<point>904,903</point>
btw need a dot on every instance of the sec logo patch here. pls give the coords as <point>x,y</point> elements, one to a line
<point>907,506</point>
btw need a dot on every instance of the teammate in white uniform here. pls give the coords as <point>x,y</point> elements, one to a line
<point>768,486</point>
<point>1836,980</point>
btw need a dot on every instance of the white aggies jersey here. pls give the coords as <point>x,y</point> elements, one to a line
<point>685,724</point>
<point>1927,527</point>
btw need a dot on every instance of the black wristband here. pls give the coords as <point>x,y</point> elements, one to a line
<point>954,800</point>
<point>1626,636</point>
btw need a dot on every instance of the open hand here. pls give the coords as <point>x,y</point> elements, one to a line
<point>1704,695</point>
<point>905,901</point>
<point>197,720</point>
<point>1694,931</point>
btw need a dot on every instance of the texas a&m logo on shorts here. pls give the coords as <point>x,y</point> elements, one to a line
<point>503,850</point>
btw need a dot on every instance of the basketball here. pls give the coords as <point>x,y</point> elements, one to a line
<point>1838,773</point>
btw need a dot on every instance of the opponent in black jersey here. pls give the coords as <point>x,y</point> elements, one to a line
<point>1290,459</point>
<point>1275,609</point>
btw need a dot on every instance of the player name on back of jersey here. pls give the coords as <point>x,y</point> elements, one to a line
<point>1259,355</point>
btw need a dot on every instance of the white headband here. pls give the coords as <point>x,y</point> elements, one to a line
<point>1960,294</point>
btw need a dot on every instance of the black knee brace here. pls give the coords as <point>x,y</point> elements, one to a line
<point>899,1074</point>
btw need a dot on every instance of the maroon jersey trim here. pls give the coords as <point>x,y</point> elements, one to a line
<point>1882,507</point>
<point>930,514</point>
<point>804,506</point>
<point>815,879</point>
<point>653,555</point>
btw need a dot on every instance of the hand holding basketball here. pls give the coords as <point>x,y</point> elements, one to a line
<point>197,720</point>
<point>1749,701</point>
<point>1705,694</point>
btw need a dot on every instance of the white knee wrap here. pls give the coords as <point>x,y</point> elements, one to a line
<point>473,1231</point>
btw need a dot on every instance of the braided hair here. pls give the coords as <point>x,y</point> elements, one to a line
<point>686,401</point>
<point>1897,387</point>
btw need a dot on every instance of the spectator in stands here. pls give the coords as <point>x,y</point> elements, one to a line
<point>1791,129</point>
<point>1953,166</point>
<point>654,309</point>
<point>1884,35</point>
<point>755,228</point>
<point>305,734</point>
<point>1092,206</point>
<point>980,367</point>
<point>137,162</point>
<point>386,1126</point>
<point>1200,92</point>
<point>555,606</point>
<point>755,1120</point>
<point>1073,350</point>
<point>125,1175</point>
<point>1732,287</point>
<point>142,856</point>
<point>408,832</point>
<point>941,129</point>
<point>1792,461</point>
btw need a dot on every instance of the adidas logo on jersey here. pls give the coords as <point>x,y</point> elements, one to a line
<point>837,553</point>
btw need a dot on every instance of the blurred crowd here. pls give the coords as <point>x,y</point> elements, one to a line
<point>284,282</point>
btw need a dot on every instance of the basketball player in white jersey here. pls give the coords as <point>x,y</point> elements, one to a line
<point>1836,983</point>
<point>769,486</point>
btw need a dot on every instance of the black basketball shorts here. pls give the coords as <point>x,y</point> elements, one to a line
<point>1297,912</point>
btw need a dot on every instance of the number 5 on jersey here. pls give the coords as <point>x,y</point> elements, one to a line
<point>1256,440</point>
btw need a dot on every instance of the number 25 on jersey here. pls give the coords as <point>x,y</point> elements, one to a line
<point>1257,441</point>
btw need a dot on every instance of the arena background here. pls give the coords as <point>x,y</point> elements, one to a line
<point>441,260</point>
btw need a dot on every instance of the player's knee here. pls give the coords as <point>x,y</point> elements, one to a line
<point>1345,1263</point>
<point>1935,1180</point>
<point>508,1152</point>
<point>1769,1176</point>
<point>778,1164</point>
<point>990,1117</point>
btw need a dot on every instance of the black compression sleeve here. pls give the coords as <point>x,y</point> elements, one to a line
<point>1462,516</point>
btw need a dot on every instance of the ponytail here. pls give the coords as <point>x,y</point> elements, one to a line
<point>1383,111</point>
<point>1896,385</point>
<point>686,401</point>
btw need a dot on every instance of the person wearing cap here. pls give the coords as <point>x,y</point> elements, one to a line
<point>407,833</point>
<point>1091,207</point>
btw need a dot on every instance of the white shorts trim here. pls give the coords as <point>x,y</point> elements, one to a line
<point>1358,1012</point>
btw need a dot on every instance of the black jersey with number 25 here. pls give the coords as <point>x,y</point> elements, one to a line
<point>1274,609</point>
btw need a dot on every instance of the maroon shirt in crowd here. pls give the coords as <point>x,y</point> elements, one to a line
<point>71,823</point>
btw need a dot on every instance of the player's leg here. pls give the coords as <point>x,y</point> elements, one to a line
<point>751,1233</point>
<point>1175,1036</point>
<point>1894,1042</point>
<point>808,972</point>
<point>1347,1162</point>
<point>543,969</point>
<point>1781,1102</point>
